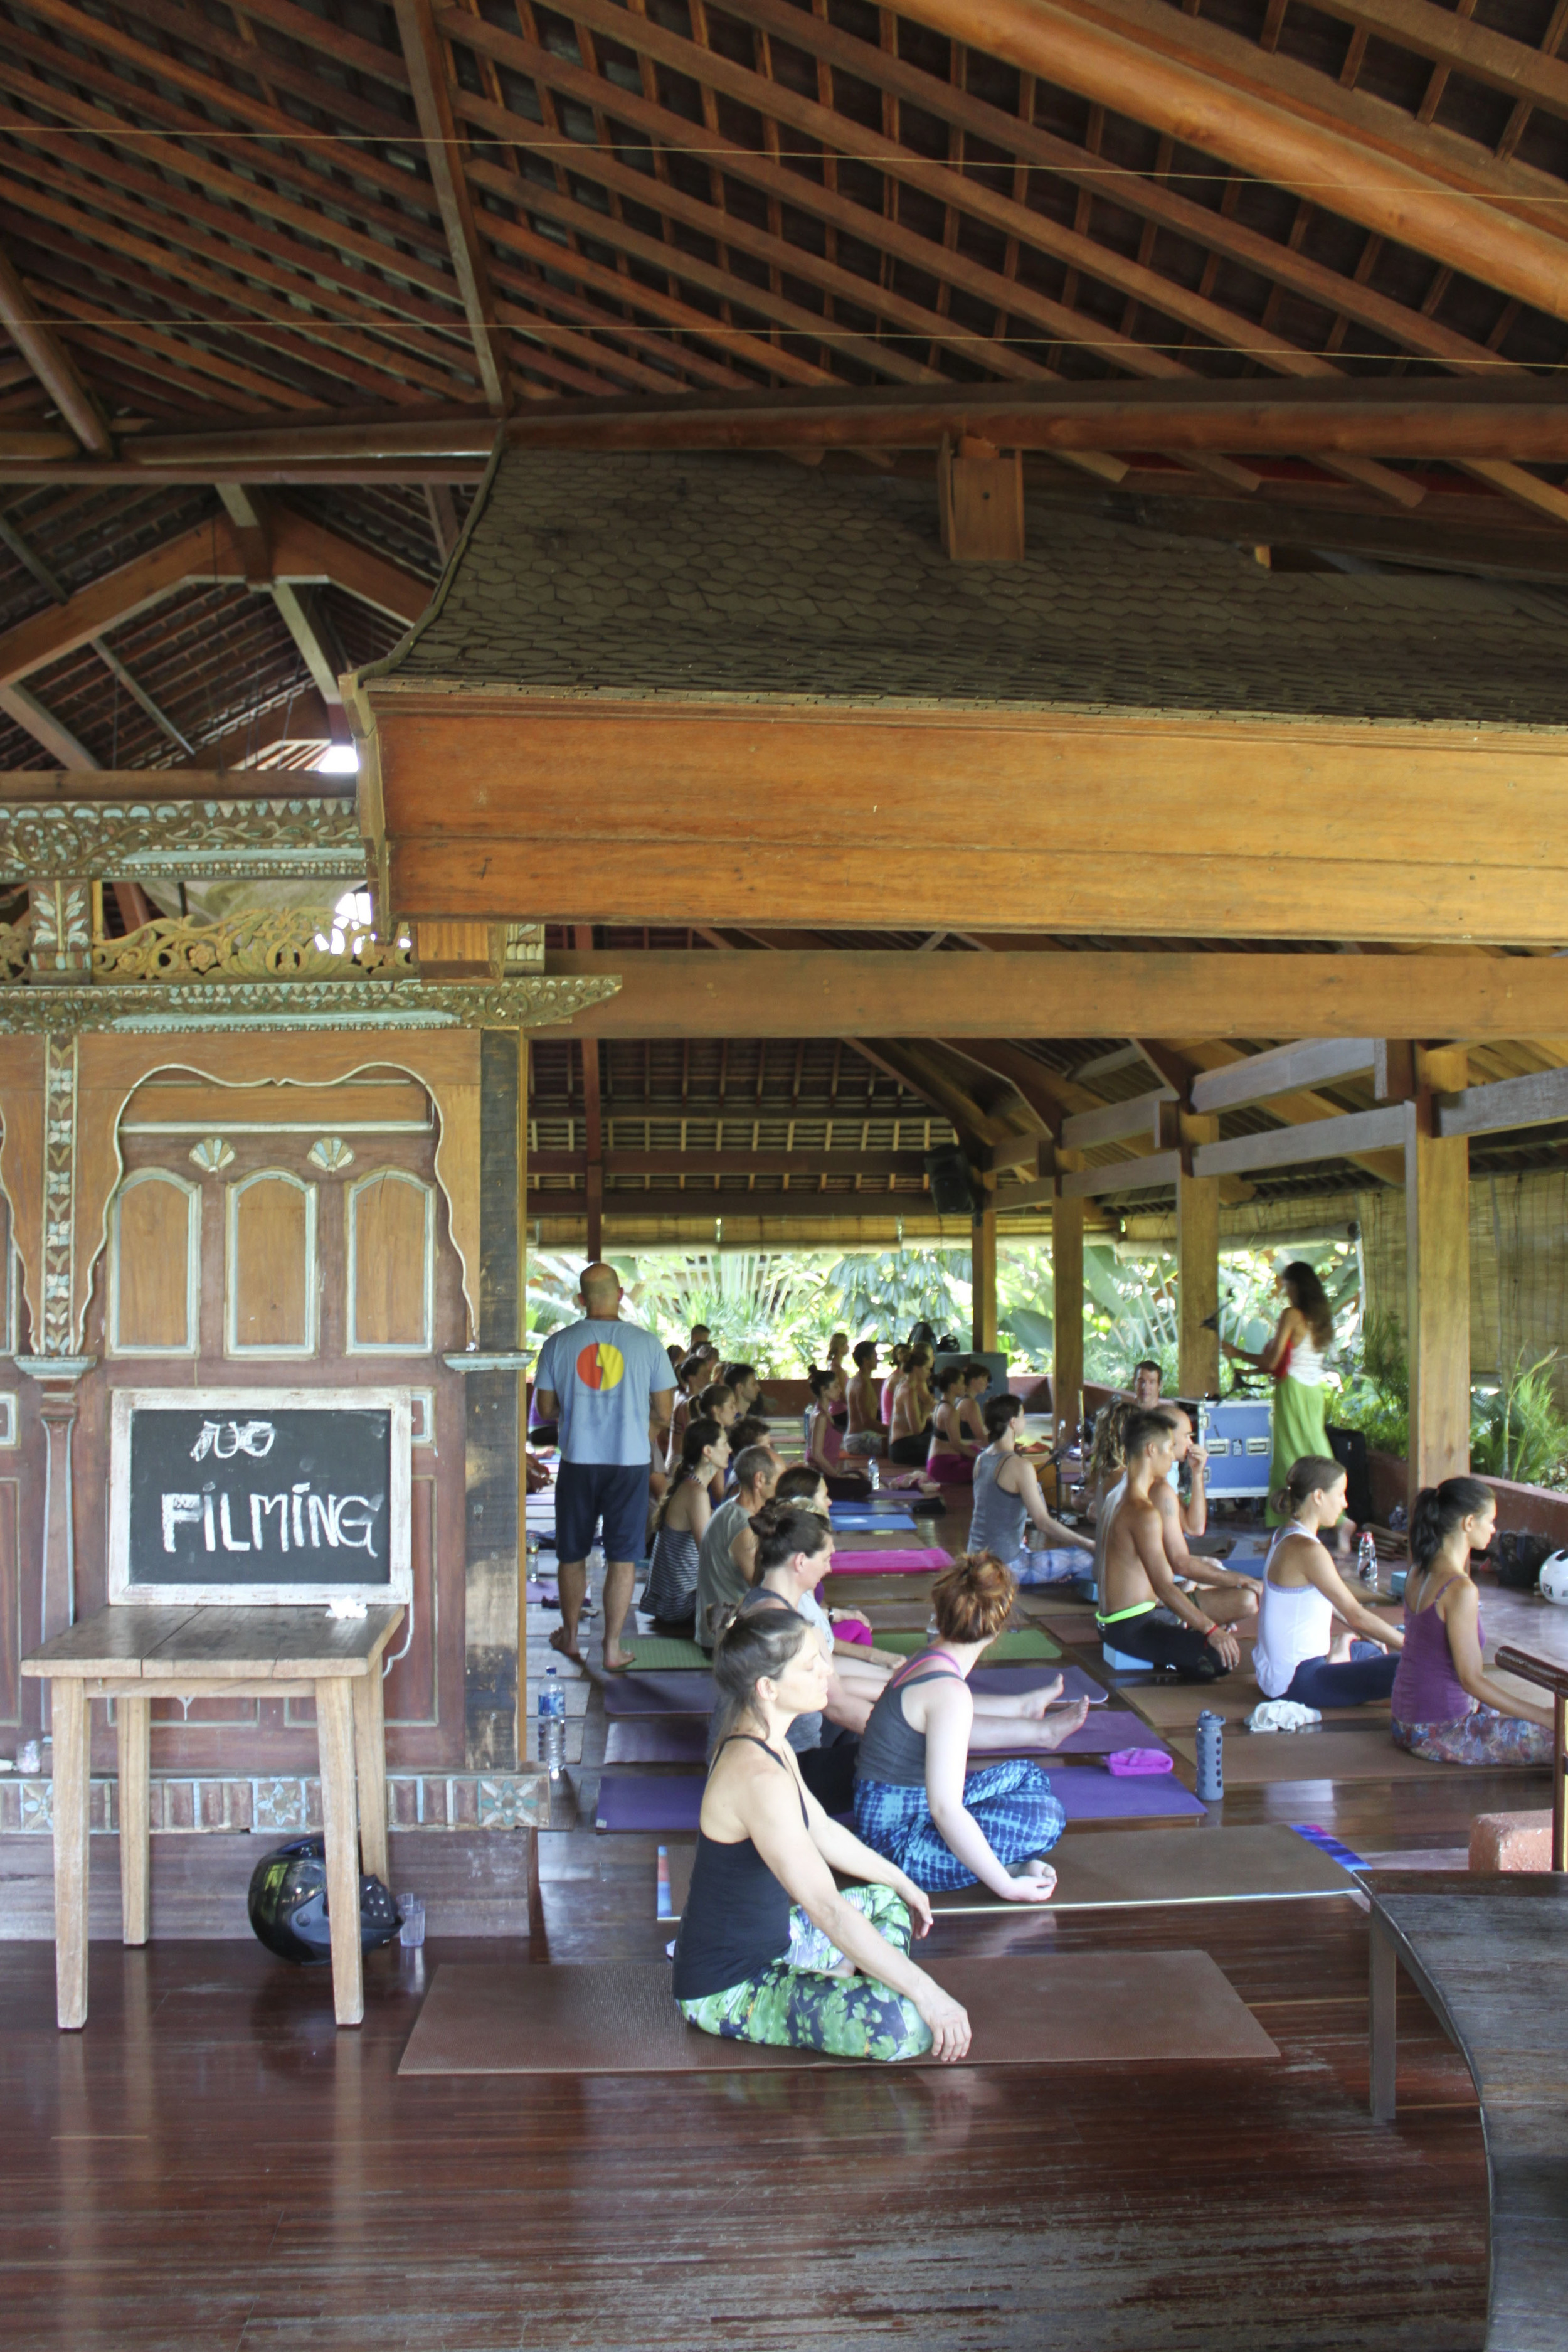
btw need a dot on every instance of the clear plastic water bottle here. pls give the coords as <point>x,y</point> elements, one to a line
<point>1366,1557</point>
<point>1210,1757</point>
<point>552,1721</point>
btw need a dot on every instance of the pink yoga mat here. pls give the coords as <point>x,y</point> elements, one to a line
<point>888,1563</point>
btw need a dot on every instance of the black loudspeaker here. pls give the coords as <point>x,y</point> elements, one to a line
<point>1348,1447</point>
<point>952,1186</point>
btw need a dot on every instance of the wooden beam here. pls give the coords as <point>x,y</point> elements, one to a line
<point>1301,1147</point>
<point>1213,90</point>
<point>982,1278</point>
<point>883,994</point>
<point>554,809</point>
<point>1197,1266</point>
<point>1515,67</point>
<point>1538,1099</point>
<point>848,1206</point>
<point>51,364</point>
<point>1160,1168</point>
<point>1138,1116</point>
<point>42,725</point>
<point>1312,1062</point>
<point>427,80</point>
<point>1067,1313</point>
<point>1438,1247</point>
<point>873,1166</point>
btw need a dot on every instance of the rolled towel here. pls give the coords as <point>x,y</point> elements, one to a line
<point>1282,1714</point>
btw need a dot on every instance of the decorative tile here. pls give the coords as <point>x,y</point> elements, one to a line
<point>278,1805</point>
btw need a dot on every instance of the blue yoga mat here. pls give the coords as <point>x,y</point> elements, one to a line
<point>868,1522</point>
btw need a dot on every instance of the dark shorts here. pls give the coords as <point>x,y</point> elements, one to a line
<point>587,1493</point>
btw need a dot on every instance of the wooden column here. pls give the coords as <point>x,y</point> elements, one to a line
<point>592,1121</point>
<point>1197,1265</point>
<point>495,1469</point>
<point>1437,1233</point>
<point>1067,1286</point>
<point>983,1271</point>
<point>525,1088</point>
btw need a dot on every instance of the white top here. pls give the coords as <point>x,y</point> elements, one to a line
<point>1295,1622</point>
<point>1306,1364</point>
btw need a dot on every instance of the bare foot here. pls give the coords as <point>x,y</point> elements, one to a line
<point>1037,1868</point>
<point>1063,1725</point>
<point>558,1640</point>
<point>617,1660</point>
<point>1034,1703</point>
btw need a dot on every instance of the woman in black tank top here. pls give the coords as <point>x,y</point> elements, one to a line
<point>769,1950</point>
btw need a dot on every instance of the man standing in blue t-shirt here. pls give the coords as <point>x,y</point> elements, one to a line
<point>605,1379</point>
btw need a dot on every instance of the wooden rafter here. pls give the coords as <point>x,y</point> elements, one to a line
<point>427,77</point>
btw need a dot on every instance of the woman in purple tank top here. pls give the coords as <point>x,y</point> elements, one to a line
<point>1446,1706</point>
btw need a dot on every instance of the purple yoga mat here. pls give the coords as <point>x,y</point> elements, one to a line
<point>888,1563</point>
<point>1107,1729</point>
<point>1003,1681</point>
<point>549,1595</point>
<point>670,1803</point>
<point>673,1694</point>
<point>683,1740</point>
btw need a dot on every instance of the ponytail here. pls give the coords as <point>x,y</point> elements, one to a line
<point>782,1529</point>
<point>1314,1473</point>
<point>1438,1511</point>
<point>1000,1412</point>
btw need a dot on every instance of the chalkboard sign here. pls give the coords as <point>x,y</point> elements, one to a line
<point>251,1495</point>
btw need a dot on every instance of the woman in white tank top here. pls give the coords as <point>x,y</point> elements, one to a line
<point>1295,1654</point>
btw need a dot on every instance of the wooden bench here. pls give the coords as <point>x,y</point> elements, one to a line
<point>1551,1675</point>
<point>134,1654</point>
<point>1487,1956</point>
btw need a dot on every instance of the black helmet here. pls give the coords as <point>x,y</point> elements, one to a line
<point>287,1902</point>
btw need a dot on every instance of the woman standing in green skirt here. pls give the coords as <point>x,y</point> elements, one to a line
<point>1293,1360</point>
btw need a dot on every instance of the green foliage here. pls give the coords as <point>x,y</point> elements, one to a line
<point>1517,1430</point>
<point>881,1295</point>
<point>1375,1396</point>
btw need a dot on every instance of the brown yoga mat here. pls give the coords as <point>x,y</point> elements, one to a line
<point>1255,1759</point>
<point>1176,1706</point>
<point>1143,1869</point>
<point>617,2018</point>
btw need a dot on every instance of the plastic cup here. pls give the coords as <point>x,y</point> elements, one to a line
<point>411,1911</point>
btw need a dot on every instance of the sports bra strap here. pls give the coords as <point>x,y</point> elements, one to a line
<point>948,1672</point>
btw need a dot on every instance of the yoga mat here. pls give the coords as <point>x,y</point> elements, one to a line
<point>1256,1759</point>
<point>1176,1706</point>
<point>1144,1870</point>
<point>1009,1646</point>
<point>683,1740</point>
<point>617,2018</point>
<point>674,1694</point>
<point>547,1595</point>
<point>851,1522</point>
<point>1063,1564</point>
<point>634,1801</point>
<point>892,1562</point>
<point>1002,1682</point>
<point>665,1654</point>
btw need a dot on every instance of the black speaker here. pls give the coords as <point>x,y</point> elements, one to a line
<point>952,1186</point>
<point>1348,1447</point>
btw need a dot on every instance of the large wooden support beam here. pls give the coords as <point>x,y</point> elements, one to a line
<point>427,79</point>
<point>982,1278</point>
<point>1139,1116</point>
<point>1538,1099</point>
<point>1298,1147</point>
<point>1205,88</point>
<point>1312,1062</point>
<point>1158,1168</point>
<point>1067,1314</point>
<point>1437,1243</point>
<point>503,810</point>
<point>51,364</point>
<point>1197,1268</point>
<point>814,992</point>
<point>702,1202</point>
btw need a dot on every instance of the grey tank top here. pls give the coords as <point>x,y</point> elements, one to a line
<point>1000,1518</point>
<point>892,1751</point>
<point>673,1574</point>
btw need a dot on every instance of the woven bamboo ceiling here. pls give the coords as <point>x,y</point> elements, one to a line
<point>278,266</point>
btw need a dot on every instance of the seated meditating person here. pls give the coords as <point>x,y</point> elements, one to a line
<point>866,1433</point>
<point>1176,1522</point>
<point>1445,1705</point>
<point>717,1402</point>
<point>1008,1498</point>
<point>950,1459</point>
<point>1141,1610</point>
<point>690,1377</point>
<point>680,1524</point>
<point>1107,1451</point>
<point>838,1362</point>
<point>794,1551</point>
<point>909,1428</point>
<point>824,1445</point>
<point>898,1358</point>
<point>750,1430</point>
<point>727,1555</point>
<point>1308,1614</point>
<point>915,1801</point>
<point>769,1949</point>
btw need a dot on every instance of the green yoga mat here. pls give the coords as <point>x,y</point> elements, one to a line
<point>655,1654</point>
<point>1006,1647</point>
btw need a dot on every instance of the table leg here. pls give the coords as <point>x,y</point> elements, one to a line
<point>370,1763</point>
<point>71,1714</point>
<point>1384,1989</point>
<point>339,1818</point>
<point>134,1719</point>
<point>1559,1793</point>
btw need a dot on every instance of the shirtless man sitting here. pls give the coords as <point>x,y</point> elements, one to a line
<point>1177,1518</point>
<point>1141,1610</point>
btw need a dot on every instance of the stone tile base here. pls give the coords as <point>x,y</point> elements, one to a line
<point>180,1802</point>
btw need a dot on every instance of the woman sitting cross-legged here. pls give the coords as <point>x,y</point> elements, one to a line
<point>680,1524</point>
<point>1008,1499</point>
<point>950,1459</point>
<point>914,1800</point>
<point>1446,1705</point>
<point>1297,1652</point>
<point>769,1949</point>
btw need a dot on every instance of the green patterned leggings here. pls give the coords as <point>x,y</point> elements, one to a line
<point>797,2004</point>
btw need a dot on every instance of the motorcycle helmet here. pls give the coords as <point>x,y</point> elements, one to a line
<point>1554,1579</point>
<point>287,1903</point>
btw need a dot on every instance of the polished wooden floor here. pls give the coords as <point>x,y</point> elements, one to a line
<point>211,2168</point>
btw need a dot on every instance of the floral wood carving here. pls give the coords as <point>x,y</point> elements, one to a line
<point>214,838</point>
<point>293,943</point>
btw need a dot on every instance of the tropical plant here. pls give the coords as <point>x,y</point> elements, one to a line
<point>882,1293</point>
<point>1517,1430</point>
<point>1376,1397</point>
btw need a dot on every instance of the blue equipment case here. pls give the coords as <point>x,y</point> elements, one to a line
<point>1238,1438</point>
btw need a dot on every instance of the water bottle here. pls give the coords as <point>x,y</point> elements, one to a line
<point>552,1722</point>
<point>1210,1757</point>
<point>1366,1557</point>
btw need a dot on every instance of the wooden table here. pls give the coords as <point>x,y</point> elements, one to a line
<point>1550,1674</point>
<point>134,1654</point>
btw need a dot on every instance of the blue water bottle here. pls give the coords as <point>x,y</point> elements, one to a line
<point>552,1722</point>
<point>1210,1757</point>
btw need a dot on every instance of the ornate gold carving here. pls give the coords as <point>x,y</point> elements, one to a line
<point>297,943</point>
<point>214,838</point>
<point>172,1008</point>
<point>16,948</point>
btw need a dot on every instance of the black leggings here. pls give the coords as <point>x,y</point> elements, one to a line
<point>911,1451</point>
<point>1163,1640</point>
<point>829,1771</point>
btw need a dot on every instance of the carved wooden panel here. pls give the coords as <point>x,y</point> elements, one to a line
<point>392,1264</point>
<point>11,1629</point>
<point>269,1288</point>
<point>154,1265</point>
